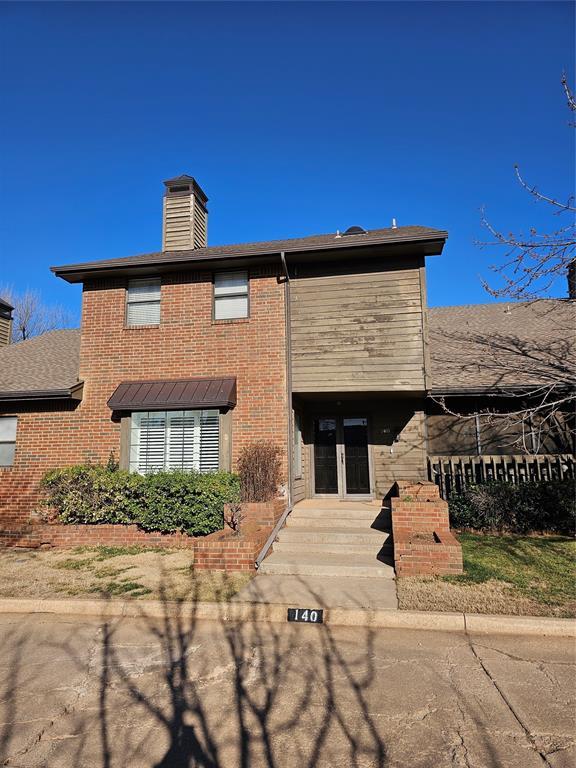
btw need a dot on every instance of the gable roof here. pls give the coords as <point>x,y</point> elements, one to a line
<point>4,305</point>
<point>44,367</point>
<point>408,234</point>
<point>502,345</point>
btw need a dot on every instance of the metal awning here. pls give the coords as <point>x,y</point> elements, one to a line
<point>177,394</point>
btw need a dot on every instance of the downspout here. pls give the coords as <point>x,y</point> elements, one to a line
<point>272,538</point>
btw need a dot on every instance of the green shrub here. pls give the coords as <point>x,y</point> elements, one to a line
<point>538,506</point>
<point>93,494</point>
<point>190,502</point>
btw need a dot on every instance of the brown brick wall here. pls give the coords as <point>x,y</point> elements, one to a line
<point>423,543</point>
<point>187,343</point>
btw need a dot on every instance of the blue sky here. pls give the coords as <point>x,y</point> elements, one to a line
<point>296,118</point>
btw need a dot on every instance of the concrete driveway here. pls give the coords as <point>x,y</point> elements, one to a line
<point>132,692</point>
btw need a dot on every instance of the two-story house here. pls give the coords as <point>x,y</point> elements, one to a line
<point>186,355</point>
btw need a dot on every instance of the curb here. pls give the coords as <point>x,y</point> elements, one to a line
<point>344,617</point>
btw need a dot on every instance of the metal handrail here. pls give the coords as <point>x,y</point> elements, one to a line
<point>270,540</point>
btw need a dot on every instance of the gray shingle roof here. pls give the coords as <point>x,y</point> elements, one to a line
<point>297,244</point>
<point>516,344</point>
<point>474,346</point>
<point>46,363</point>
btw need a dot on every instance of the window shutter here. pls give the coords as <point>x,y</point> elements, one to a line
<point>143,302</point>
<point>151,441</point>
<point>210,441</point>
<point>187,440</point>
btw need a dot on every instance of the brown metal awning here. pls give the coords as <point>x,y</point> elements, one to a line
<point>178,394</point>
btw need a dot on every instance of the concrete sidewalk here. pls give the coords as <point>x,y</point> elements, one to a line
<point>323,591</point>
<point>183,693</point>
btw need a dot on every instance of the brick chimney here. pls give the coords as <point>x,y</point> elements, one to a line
<point>571,274</point>
<point>185,217</point>
<point>5,322</point>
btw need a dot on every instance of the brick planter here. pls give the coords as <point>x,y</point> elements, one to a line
<point>423,542</point>
<point>262,512</point>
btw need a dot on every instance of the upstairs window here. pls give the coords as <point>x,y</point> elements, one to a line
<point>7,440</point>
<point>187,440</point>
<point>230,295</point>
<point>143,302</point>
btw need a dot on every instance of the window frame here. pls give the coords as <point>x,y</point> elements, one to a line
<point>133,458</point>
<point>10,442</point>
<point>127,302</point>
<point>238,294</point>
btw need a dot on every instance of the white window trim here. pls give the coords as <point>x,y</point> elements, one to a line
<point>297,447</point>
<point>151,281</point>
<point>240,294</point>
<point>12,441</point>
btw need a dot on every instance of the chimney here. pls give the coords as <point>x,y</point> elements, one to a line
<point>185,218</point>
<point>5,322</point>
<point>571,274</point>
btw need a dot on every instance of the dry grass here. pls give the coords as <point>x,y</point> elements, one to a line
<point>112,572</point>
<point>515,575</point>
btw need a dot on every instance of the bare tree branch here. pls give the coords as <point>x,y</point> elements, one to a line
<point>31,317</point>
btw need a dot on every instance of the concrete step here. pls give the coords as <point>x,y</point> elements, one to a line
<point>333,535</point>
<point>335,547</point>
<point>328,522</point>
<point>325,564</point>
<point>335,513</point>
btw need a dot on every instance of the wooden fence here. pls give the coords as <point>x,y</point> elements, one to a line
<point>456,473</point>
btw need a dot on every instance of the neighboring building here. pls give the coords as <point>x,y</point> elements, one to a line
<point>5,322</point>
<point>185,356</point>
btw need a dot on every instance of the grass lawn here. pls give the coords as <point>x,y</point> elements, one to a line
<point>522,575</point>
<point>112,572</point>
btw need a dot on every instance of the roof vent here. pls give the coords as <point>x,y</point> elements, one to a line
<point>355,231</point>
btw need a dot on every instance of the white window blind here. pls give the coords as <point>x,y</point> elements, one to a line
<point>230,295</point>
<point>188,440</point>
<point>143,302</point>
<point>7,440</point>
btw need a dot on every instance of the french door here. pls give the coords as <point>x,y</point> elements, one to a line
<point>341,457</point>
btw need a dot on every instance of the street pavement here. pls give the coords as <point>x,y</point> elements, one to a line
<point>131,693</point>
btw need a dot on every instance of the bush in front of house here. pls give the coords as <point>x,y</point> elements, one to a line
<point>92,493</point>
<point>168,502</point>
<point>190,502</point>
<point>260,471</point>
<point>537,506</point>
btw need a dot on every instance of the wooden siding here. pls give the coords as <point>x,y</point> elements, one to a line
<point>358,332</point>
<point>185,223</point>
<point>5,329</point>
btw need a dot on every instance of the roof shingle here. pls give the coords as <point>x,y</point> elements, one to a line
<point>49,362</point>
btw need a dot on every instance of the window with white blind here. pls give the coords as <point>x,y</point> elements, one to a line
<point>7,440</point>
<point>188,440</point>
<point>230,295</point>
<point>143,302</point>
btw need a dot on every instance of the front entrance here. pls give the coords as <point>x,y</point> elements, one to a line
<point>341,458</point>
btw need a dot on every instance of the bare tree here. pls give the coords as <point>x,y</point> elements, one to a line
<point>534,261</point>
<point>31,316</point>
<point>546,366</point>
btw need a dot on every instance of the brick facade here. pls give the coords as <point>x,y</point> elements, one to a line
<point>188,343</point>
<point>423,542</point>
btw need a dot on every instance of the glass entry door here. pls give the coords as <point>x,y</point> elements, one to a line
<point>341,457</point>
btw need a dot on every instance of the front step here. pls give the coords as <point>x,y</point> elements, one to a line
<point>333,535</point>
<point>361,541</point>
<point>334,513</point>
<point>337,548</point>
<point>325,564</point>
<point>328,522</point>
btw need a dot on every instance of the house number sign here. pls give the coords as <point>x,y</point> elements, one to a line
<point>306,615</point>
